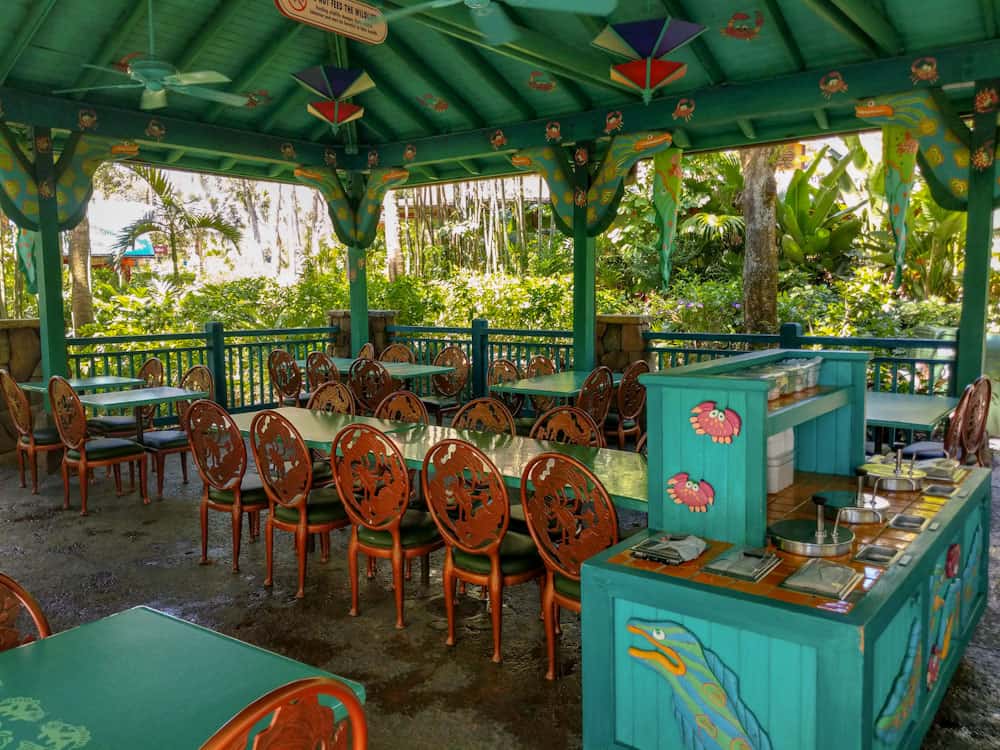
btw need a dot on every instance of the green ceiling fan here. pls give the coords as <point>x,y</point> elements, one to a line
<point>491,19</point>
<point>157,77</point>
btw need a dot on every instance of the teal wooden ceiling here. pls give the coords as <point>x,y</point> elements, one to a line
<point>759,90</point>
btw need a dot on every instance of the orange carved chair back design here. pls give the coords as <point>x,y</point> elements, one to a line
<point>397,352</point>
<point>370,383</point>
<point>571,518</point>
<point>298,720</point>
<point>320,369</point>
<point>568,424</point>
<point>953,446</point>
<point>975,414</point>
<point>26,447</point>
<point>540,365</point>
<point>631,400</point>
<point>17,404</point>
<point>485,415</point>
<point>286,377</point>
<point>505,371</point>
<point>371,477</point>
<point>367,351</point>
<point>283,461</point>
<point>197,378</point>
<point>596,394</point>
<point>14,600</point>
<point>334,398</point>
<point>640,446</point>
<point>71,422</point>
<point>451,383</point>
<point>403,406</point>
<point>216,445</point>
<point>153,374</point>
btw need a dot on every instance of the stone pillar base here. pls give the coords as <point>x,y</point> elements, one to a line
<point>378,323</point>
<point>620,342</point>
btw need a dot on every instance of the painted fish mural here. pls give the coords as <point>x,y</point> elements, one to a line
<point>706,699</point>
<point>895,714</point>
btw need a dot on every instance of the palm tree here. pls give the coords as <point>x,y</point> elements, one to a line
<point>173,218</point>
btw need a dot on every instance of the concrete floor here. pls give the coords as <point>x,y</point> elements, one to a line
<point>421,694</point>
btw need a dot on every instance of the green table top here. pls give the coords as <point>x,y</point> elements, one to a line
<point>318,428</point>
<point>136,679</point>
<point>399,370</point>
<point>101,382</point>
<point>140,397</point>
<point>906,411</point>
<point>564,384</point>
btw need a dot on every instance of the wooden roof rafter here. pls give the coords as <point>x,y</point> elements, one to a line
<point>122,30</point>
<point>34,17</point>
<point>706,59</point>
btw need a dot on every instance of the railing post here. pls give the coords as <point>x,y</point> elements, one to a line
<point>790,335</point>
<point>480,356</point>
<point>214,342</point>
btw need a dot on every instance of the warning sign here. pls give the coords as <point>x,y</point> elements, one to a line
<point>345,17</point>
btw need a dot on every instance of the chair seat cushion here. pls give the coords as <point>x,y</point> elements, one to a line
<point>416,530</point>
<point>567,586</point>
<point>251,490</point>
<point>161,439</point>
<point>322,506</point>
<point>44,436</point>
<point>614,418</point>
<point>924,449</point>
<point>112,423</point>
<point>99,449</point>
<point>517,555</point>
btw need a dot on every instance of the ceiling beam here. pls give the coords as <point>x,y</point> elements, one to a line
<point>864,14</point>
<point>989,12</point>
<point>471,57</point>
<point>123,28</point>
<point>256,64</point>
<point>219,20</point>
<point>174,155</point>
<point>681,138</point>
<point>470,167</point>
<point>821,119</point>
<point>34,17</point>
<point>746,127</point>
<point>713,70</point>
<point>843,25</point>
<point>785,33</point>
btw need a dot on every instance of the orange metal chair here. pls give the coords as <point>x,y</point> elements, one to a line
<point>286,378</point>
<point>505,371</point>
<point>370,383</point>
<point>13,600</point>
<point>975,441</point>
<point>83,454</point>
<point>403,406</point>
<point>374,486</point>
<point>221,459</point>
<point>630,401</point>
<point>123,425</point>
<point>540,365</point>
<point>298,720</point>
<point>571,518</point>
<point>485,415</point>
<point>367,351</point>
<point>398,353</point>
<point>285,468</point>
<point>332,397</point>
<point>448,386</point>
<point>468,501</point>
<point>320,369</point>
<point>596,393</point>
<point>568,424</point>
<point>640,446</point>
<point>953,446</point>
<point>30,440</point>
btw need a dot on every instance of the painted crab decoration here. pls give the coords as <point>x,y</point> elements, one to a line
<point>740,26</point>
<point>541,81</point>
<point>909,145</point>
<point>330,157</point>
<point>410,152</point>
<point>613,121</point>
<point>581,156</point>
<point>684,110</point>
<point>86,119</point>
<point>832,83</point>
<point>553,132</point>
<point>45,189</point>
<point>288,151</point>
<point>43,144</point>
<point>580,197</point>
<point>257,98</point>
<point>986,100</point>
<point>372,159</point>
<point>722,425</point>
<point>156,129</point>
<point>498,139</point>
<point>924,69</point>
<point>982,157</point>
<point>697,496</point>
<point>434,103</point>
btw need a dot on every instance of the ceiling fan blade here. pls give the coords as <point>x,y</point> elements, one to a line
<point>583,7</point>
<point>196,77</point>
<point>99,88</point>
<point>104,68</point>
<point>222,97</point>
<point>153,99</point>
<point>494,24</point>
<point>395,15</point>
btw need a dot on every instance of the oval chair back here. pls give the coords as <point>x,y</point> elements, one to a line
<point>334,398</point>
<point>197,378</point>
<point>283,461</point>
<point>320,369</point>
<point>596,394</point>
<point>485,415</point>
<point>17,405</point>
<point>540,365</point>
<point>397,352</point>
<point>152,373</point>
<point>13,599</point>
<point>371,477</point>
<point>286,377</point>
<point>466,496</point>
<point>67,411</point>
<point>640,446</point>
<point>505,371</point>
<point>370,383</point>
<point>367,351</point>
<point>299,719</point>
<point>976,412</point>
<point>403,406</point>
<point>632,393</point>
<point>568,424</point>
<point>953,446</point>
<point>451,383</point>
<point>216,445</point>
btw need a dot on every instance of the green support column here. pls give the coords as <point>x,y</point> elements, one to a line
<point>357,276</point>
<point>584,292</point>
<point>49,264</point>
<point>978,249</point>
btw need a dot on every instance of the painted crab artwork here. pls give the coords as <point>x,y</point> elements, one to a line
<point>982,157</point>
<point>741,26</point>
<point>832,83</point>
<point>257,98</point>
<point>909,145</point>
<point>330,157</point>
<point>581,156</point>
<point>986,100</point>
<point>722,425</point>
<point>924,69</point>
<point>613,121</point>
<point>372,159</point>
<point>580,197</point>
<point>553,132</point>
<point>697,496</point>
<point>684,110</point>
<point>498,139</point>
<point>433,103</point>
<point>86,119</point>
<point>45,189</point>
<point>410,152</point>
<point>155,129</point>
<point>541,81</point>
<point>43,144</point>
<point>288,151</point>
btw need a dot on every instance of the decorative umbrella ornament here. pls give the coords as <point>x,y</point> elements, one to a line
<point>645,43</point>
<point>334,85</point>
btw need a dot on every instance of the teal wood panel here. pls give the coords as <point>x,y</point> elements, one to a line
<point>889,653</point>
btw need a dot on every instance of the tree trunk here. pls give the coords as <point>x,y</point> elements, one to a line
<point>79,274</point>
<point>394,267</point>
<point>760,259</point>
